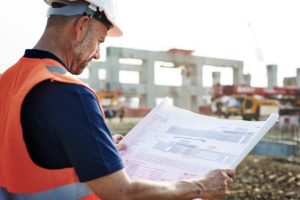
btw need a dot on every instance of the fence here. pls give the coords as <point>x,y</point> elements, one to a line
<point>285,135</point>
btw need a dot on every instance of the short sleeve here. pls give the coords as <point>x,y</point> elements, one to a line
<point>68,119</point>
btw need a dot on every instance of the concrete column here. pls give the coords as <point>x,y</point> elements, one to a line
<point>194,106</point>
<point>272,76</point>
<point>147,77</point>
<point>238,74</point>
<point>185,95</point>
<point>112,69</point>
<point>247,79</point>
<point>216,78</point>
<point>298,78</point>
<point>93,78</point>
<point>199,85</point>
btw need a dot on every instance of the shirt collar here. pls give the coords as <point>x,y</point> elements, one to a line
<point>41,54</point>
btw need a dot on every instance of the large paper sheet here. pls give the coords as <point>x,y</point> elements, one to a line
<point>172,144</point>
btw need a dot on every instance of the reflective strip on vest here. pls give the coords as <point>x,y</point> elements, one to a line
<point>73,191</point>
<point>56,69</point>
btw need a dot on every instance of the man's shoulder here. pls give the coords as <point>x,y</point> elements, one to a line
<point>54,93</point>
<point>49,86</point>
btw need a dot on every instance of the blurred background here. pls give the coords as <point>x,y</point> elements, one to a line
<point>234,59</point>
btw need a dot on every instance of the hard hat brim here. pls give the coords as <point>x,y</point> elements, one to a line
<point>115,31</point>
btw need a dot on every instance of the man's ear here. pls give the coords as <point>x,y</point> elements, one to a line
<point>81,27</point>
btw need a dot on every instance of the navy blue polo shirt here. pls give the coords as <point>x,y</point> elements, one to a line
<point>63,127</point>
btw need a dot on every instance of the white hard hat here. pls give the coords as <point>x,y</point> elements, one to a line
<point>94,8</point>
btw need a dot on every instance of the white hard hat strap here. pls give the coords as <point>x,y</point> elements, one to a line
<point>93,7</point>
<point>68,10</point>
<point>99,15</point>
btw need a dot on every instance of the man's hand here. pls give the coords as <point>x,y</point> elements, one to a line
<point>117,138</point>
<point>215,183</point>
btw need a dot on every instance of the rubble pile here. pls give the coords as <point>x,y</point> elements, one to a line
<point>261,177</point>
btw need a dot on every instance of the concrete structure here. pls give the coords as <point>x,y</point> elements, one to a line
<point>292,81</point>
<point>189,96</point>
<point>216,78</point>
<point>289,81</point>
<point>298,78</point>
<point>272,76</point>
<point>247,79</point>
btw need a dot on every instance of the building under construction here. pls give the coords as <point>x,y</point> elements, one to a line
<point>190,95</point>
<point>140,68</point>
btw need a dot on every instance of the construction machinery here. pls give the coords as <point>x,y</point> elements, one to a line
<point>250,102</point>
<point>110,102</point>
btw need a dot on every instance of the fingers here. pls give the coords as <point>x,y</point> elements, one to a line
<point>228,177</point>
<point>216,182</point>
<point>121,146</point>
<point>229,172</point>
<point>228,180</point>
<point>117,138</point>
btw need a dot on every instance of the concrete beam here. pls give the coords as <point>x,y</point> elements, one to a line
<point>189,95</point>
<point>127,67</point>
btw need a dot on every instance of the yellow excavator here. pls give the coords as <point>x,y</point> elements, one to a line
<point>245,101</point>
<point>251,107</point>
<point>110,102</point>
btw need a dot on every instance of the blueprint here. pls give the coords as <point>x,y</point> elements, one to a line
<point>172,144</point>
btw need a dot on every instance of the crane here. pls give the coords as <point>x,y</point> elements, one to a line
<point>257,47</point>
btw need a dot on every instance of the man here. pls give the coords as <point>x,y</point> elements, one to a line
<point>54,143</point>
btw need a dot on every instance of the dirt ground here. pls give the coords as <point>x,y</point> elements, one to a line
<point>257,177</point>
<point>268,178</point>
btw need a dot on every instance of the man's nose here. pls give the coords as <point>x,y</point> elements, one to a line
<point>97,54</point>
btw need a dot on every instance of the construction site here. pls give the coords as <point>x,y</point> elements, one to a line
<point>109,99</point>
<point>271,171</point>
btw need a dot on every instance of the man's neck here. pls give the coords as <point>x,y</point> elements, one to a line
<point>52,43</point>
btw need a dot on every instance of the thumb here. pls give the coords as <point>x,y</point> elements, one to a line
<point>121,146</point>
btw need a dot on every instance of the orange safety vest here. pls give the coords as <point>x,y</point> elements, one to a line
<point>20,177</point>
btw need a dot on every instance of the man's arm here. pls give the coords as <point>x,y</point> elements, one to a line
<point>119,186</point>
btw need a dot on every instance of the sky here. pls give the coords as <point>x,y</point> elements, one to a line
<point>212,28</point>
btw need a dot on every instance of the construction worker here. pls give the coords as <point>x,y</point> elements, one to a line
<point>54,143</point>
